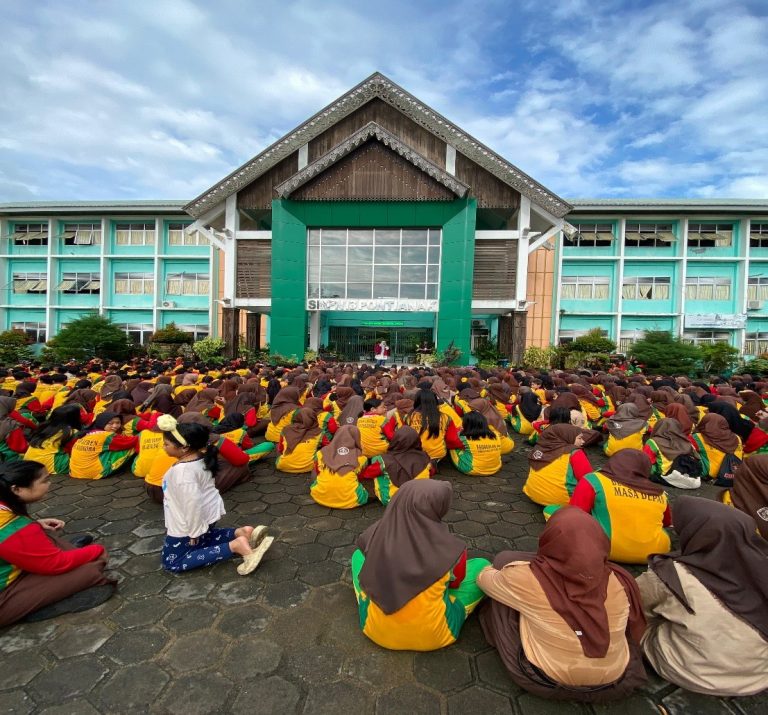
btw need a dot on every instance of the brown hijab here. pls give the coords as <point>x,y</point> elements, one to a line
<point>111,384</point>
<point>633,469</point>
<point>750,490</point>
<point>303,427</point>
<point>7,424</point>
<point>82,397</point>
<point>752,404</point>
<point>405,458</point>
<point>714,428</point>
<point>566,400</point>
<point>719,546</point>
<point>499,391</point>
<point>285,401</point>
<point>352,410</point>
<point>141,391</point>
<point>491,414</point>
<point>625,422</point>
<point>343,394</point>
<point>197,418</point>
<point>159,399</point>
<point>677,411</point>
<point>409,548</point>
<point>670,438</point>
<point>343,454</point>
<point>228,390</point>
<point>203,400</point>
<point>125,409</point>
<point>554,442</point>
<point>572,567</point>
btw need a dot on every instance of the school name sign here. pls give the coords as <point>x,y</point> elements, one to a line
<point>376,304</point>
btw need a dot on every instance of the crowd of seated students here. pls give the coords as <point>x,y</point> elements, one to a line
<point>568,623</point>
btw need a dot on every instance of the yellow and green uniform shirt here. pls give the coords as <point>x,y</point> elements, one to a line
<point>373,441</point>
<point>553,483</point>
<point>632,441</point>
<point>10,523</point>
<point>711,457</point>
<point>338,491</point>
<point>50,454</point>
<point>92,458</point>
<point>383,485</point>
<point>275,431</point>
<point>519,423</point>
<point>150,449</point>
<point>301,459</point>
<point>479,458</point>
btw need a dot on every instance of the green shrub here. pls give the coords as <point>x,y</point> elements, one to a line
<point>487,351</point>
<point>719,358</point>
<point>757,367</point>
<point>171,335</point>
<point>539,358</point>
<point>660,352</point>
<point>86,338</point>
<point>593,342</point>
<point>210,350</point>
<point>14,347</point>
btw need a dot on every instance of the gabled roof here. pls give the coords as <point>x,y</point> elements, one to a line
<point>377,85</point>
<point>372,130</point>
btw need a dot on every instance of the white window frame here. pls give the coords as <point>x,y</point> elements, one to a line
<point>697,287</point>
<point>758,234</point>
<point>757,287</point>
<point>568,336</point>
<point>34,283</point>
<point>708,234</point>
<point>648,235</point>
<point>135,233</point>
<point>656,288</point>
<point>186,283</point>
<point>756,343</point>
<point>82,234</point>
<point>178,237</point>
<point>23,233</point>
<point>585,287</point>
<point>36,331</point>
<point>80,283</point>
<point>134,283</point>
<point>198,331</point>
<point>143,330</point>
<point>591,235</point>
<point>706,337</point>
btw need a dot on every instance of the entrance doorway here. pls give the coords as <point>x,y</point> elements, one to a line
<point>357,344</point>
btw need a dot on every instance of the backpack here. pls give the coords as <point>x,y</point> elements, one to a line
<point>727,469</point>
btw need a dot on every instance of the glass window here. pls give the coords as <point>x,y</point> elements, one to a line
<point>585,288</point>
<point>757,288</point>
<point>30,283</point>
<point>361,237</point>
<point>415,237</point>
<point>141,234</point>
<point>706,337</point>
<point>82,234</point>
<point>414,254</point>
<point>648,235</point>
<point>80,282</point>
<point>707,288</point>
<point>178,237</point>
<point>756,343</point>
<point>134,283</point>
<point>35,331</point>
<point>646,288</point>
<point>188,284</point>
<point>30,234</point>
<point>758,235</point>
<point>710,235</point>
<point>386,274</point>
<point>590,235</point>
<point>198,331</point>
<point>387,255</point>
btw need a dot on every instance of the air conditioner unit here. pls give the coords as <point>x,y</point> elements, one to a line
<point>168,304</point>
<point>478,323</point>
<point>755,305</point>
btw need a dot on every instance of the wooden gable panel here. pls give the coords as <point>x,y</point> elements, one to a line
<point>254,269</point>
<point>490,192</point>
<point>373,172</point>
<point>495,269</point>
<point>259,193</point>
<point>405,129</point>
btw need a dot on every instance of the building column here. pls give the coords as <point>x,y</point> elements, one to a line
<point>519,327</point>
<point>314,330</point>
<point>253,331</point>
<point>230,330</point>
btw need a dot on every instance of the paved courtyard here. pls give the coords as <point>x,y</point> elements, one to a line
<point>286,639</point>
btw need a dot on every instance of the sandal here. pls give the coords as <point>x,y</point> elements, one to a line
<point>252,560</point>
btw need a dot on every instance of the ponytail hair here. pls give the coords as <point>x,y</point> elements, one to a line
<point>18,474</point>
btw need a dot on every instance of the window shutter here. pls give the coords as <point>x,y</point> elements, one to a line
<point>254,269</point>
<point>495,269</point>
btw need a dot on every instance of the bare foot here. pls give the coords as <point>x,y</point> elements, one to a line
<point>240,546</point>
<point>244,531</point>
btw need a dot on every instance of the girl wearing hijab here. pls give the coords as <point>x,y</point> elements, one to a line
<point>590,404</point>
<point>205,403</point>
<point>299,443</point>
<point>750,491</point>
<point>100,450</point>
<point>404,460</point>
<point>752,438</point>
<point>42,576</point>
<point>159,400</point>
<point>674,460</point>
<point>706,603</point>
<point>13,443</point>
<point>678,411</point>
<point>376,428</point>
<point>714,441</point>
<point>625,429</point>
<point>413,582</point>
<point>107,389</point>
<point>526,412</point>
<point>27,403</point>
<point>232,428</point>
<point>151,453</point>
<point>500,395</point>
<point>566,622</point>
<point>496,424</point>
<point>438,434</point>
<point>480,455</point>
<point>337,466</point>
<point>631,509</point>
<point>52,442</point>
<point>558,462</point>
<point>286,402</point>
<point>132,423</point>
<point>352,411</point>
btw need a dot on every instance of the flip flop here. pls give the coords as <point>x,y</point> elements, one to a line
<point>252,560</point>
<point>257,536</point>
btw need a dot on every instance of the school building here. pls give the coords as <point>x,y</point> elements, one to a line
<point>379,218</point>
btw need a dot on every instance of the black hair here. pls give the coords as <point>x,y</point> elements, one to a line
<point>64,420</point>
<point>371,404</point>
<point>46,379</point>
<point>321,387</point>
<point>357,386</point>
<point>197,437</point>
<point>560,415</point>
<point>475,426</point>
<point>426,404</point>
<point>273,387</point>
<point>21,473</point>
<point>59,378</point>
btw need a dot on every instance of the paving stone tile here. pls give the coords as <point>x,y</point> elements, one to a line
<point>297,628</point>
<point>633,705</point>
<point>195,651</point>
<point>282,509</point>
<point>479,699</point>
<point>313,509</point>
<point>320,573</point>
<point>325,523</point>
<point>267,697</point>
<point>148,545</point>
<point>243,620</point>
<point>683,701</point>
<point>309,553</point>
<point>197,694</point>
<point>296,537</point>
<point>289,523</point>
<point>67,679</point>
<point>343,554</point>
<point>408,699</point>
<point>340,537</point>
<point>26,665</point>
<point>27,636</point>
<point>468,528</point>
<point>244,590</point>
<point>340,697</point>
<point>112,542</point>
<point>273,571</point>
<point>138,565</point>
<point>188,617</point>
<point>78,706</point>
<point>16,702</point>
<point>146,585</point>
<point>492,673</point>
<point>120,514</point>
<point>444,670</point>
<point>133,689</point>
<point>285,593</point>
<point>751,705</point>
<point>149,530</point>
<point>141,612</point>
<point>482,517</point>
<point>79,640</point>
<point>190,586</point>
<point>531,705</point>
<point>277,498</point>
<point>378,667</point>
<point>83,526</point>
<point>135,646</point>
<point>472,639</point>
<point>248,657</point>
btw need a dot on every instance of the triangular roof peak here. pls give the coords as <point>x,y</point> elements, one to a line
<point>380,86</point>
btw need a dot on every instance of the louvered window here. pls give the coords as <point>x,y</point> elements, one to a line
<point>254,269</point>
<point>495,269</point>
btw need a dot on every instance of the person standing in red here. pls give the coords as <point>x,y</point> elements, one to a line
<point>381,352</point>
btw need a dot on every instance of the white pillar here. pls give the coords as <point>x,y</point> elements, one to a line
<point>314,329</point>
<point>232,225</point>
<point>521,273</point>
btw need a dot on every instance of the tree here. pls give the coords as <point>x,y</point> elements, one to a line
<point>88,337</point>
<point>210,350</point>
<point>719,358</point>
<point>659,352</point>
<point>592,342</point>
<point>14,347</point>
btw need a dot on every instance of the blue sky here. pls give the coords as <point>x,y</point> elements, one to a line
<point>162,98</point>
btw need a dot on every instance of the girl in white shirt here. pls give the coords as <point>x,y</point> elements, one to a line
<point>193,505</point>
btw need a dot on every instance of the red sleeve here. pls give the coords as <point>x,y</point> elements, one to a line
<point>389,427</point>
<point>37,408</point>
<point>458,410</point>
<point>452,440</point>
<point>609,413</point>
<point>67,449</point>
<point>667,520</point>
<point>332,425</point>
<point>281,445</point>
<point>372,471</point>
<point>251,417</point>
<point>86,417</point>
<point>143,424</point>
<point>580,463</point>
<point>17,441</point>
<point>31,550</point>
<point>120,442</point>
<point>23,421</point>
<point>583,496</point>
<point>214,413</point>
<point>649,453</point>
<point>247,442</point>
<point>459,571</point>
<point>232,453</point>
<point>510,407</point>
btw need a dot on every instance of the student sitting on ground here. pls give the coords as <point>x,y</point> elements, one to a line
<point>285,404</point>
<point>558,461</point>
<point>526,412</point>
<point>497,425</point>
<point>52,443</point>
<point>715,442</point>
<point>403,461</point>
<point>631,509</point>
<point>437,432</point>
<point>750,491</point>
<point>100,450</point>
<point>299,443</point>
<point>706,603</point>
<point>337,466</point>
<point>192,506</point>
<point>413,582</point>
<point>480,455</point>
<point>565,621</point>
<point>41,575</point>
<point>625,429</point>
<point>674,461</point>
<point>376,429</point>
